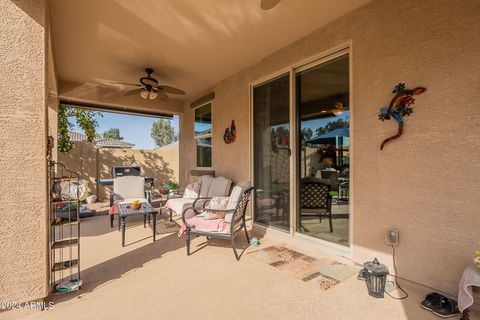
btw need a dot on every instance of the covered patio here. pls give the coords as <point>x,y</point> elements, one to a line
<point>283,96</point>
<point>146,280</point>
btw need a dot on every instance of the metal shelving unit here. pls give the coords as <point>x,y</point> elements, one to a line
<point>64,222</point>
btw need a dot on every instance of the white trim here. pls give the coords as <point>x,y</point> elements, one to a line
<point>272,76</point>
<point>323,60</point>
<point>323,56</point>
<point>293,155</point>
<point>351,193</point>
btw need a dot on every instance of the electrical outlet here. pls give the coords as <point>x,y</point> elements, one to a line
<point>391,237</point>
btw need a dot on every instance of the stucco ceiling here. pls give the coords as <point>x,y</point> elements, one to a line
<point>191,44</point>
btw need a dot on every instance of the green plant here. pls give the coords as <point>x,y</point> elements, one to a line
<point>172,185</point>
<point>85,119</point>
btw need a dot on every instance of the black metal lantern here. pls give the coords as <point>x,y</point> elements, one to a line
<point>375,277</point>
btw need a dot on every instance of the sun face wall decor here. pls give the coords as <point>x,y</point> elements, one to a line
<point>399,107</point>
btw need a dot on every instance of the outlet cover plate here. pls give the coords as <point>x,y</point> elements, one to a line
<point>391,237</point>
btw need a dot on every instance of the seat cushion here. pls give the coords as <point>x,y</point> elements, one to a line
<point>179,204</point>
<point>220,187</point>
<point>205,182</point>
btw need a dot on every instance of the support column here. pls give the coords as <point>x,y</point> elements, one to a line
<point>23,132</point>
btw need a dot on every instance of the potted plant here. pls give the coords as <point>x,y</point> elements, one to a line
<point>172,187</point>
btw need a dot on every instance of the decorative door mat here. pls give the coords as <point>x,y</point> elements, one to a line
<point>324,273</point>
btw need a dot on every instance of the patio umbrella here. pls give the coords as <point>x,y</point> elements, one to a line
<point>332,137</point>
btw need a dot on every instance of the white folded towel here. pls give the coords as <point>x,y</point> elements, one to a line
<point>470,278</point>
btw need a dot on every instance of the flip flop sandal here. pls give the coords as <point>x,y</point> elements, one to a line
<point>446,308</point>
<point>431,300</point>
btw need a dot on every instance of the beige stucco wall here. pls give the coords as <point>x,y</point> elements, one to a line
<point>426,183</point>
<point>91,162</point>
<point>23,226</point>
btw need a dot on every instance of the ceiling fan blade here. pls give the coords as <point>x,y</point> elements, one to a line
<point>162,96</point>
<point>268,4</point>
<point>133,92</point>
<point>171,90</point>
<point>128,84</point>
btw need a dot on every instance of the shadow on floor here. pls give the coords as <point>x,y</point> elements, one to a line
<point>112,269</point>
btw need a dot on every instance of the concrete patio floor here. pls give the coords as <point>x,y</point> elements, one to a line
<point>147,280</point>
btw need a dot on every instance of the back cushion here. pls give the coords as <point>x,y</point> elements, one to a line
<point>217,203</point>
<point>219,187</point>
<point>236,193</point>
<point>129,187</point>
<point>205,182</point>
<point>192,190</point>
<point>234,197</point>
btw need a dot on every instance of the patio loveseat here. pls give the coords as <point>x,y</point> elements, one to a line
<point>224,228</point>
<point>206,187</point>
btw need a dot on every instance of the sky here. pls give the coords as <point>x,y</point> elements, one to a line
<point>134,129</point>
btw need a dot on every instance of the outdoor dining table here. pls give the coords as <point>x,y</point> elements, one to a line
<point>126,210</point>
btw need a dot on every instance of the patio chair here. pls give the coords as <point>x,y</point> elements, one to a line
<point>234,217</point>
<point>127,188</point>
<point>209,187</point>
<point>315,195</point>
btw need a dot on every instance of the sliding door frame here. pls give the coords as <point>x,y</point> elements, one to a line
<point>292,70</point>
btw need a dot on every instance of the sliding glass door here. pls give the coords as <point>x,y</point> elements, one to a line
<point>323,150</point>
<point>316,122</point>
<point>271,163</point>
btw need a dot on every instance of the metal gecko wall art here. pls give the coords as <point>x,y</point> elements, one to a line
<point>399,107</point>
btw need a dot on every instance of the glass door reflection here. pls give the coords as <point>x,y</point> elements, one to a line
<point>271,134</point>
<point>323,122</point>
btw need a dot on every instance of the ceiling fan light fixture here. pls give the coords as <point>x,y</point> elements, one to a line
<point>153,94</point>
<point>144,93</point>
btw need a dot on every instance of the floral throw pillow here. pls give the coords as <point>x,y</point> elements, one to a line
<point>192,191</point>
<point>217,203</point>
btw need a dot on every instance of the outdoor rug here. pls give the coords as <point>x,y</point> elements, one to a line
<point>323,273</point>
<point>164,226</point>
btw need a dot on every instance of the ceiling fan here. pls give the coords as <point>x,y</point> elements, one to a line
<point>268,4</point>
<point>149,88</point>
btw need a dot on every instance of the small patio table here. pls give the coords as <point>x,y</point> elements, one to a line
<point>126,210</point>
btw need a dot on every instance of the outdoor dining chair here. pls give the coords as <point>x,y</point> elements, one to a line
<point>315,199</point>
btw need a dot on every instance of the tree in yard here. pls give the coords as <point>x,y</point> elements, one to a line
<point>306,134</point>
<point>85,119</point>
<point>332,125</point>
<point>113,133</point>
<point>162,132</point>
